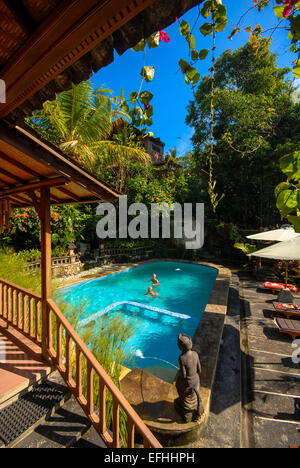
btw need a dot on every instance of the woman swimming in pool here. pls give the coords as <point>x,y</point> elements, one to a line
<point>151,292</point>
<point>154,280</point>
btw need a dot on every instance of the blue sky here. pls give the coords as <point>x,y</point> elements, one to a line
<point>171,94</point>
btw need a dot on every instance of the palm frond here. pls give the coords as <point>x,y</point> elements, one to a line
<point>120,154</point>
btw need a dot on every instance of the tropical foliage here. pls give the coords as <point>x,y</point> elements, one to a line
<point>81,121</point>
<point>68,224</point>
<point>288,193</point>
<point>13,269</point>
<point>256,122</point>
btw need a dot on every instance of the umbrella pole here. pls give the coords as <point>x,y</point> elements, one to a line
<point>286,273</point>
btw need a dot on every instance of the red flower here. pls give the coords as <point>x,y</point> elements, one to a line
<point>163,36</point>
<point>289,6</point>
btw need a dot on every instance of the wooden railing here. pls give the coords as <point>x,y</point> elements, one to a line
<point>85,377</point>
<point>21,309</point>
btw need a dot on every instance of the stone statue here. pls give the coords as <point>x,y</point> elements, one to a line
<point>189,403</point>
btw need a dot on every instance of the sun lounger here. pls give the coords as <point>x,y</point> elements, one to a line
<point>290,327</point>
<point>289,310</point>
<point>275,287</point>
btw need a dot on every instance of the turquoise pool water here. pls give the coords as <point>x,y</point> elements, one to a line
<point>184,292</point>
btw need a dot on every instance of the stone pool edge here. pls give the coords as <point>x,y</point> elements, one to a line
<point>206,341</point>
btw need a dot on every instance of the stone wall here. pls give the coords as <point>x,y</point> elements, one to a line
<point>61,266</point>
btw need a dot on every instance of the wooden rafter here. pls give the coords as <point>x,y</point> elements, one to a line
<point>21,15</point>
<point>19,165</point>
<point>10,175</point>
<point>30,143</point>
<point>19,198</point>
<point>6,184</point>
<point>67,181</point>
<point>70,194</point>
<point>84,201</point>
<point>55,182</point>
<point>69,33</point>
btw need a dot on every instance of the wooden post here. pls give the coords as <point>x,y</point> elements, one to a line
<point>1,217</point>
<point>45,263</point>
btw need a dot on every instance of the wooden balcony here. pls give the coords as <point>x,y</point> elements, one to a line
<point>90,385</point>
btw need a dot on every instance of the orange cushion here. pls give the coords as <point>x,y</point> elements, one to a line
<point>288,306</point>
<point>270,285</point>
<point>279,286</point>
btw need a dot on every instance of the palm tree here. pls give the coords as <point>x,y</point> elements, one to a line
<point>172,159</point>
<point>80,121</point>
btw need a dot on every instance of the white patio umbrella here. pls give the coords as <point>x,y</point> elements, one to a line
<point>285,251</point>
<point>277,235</point>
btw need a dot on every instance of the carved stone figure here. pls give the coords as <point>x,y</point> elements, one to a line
<point>189,403</point>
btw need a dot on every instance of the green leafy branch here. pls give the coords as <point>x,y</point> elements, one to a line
<point>218,13</point>
<point>288,192</point>
<point>141,111</point>
<point>189,69</point>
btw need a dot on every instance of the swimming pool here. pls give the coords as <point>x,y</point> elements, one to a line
<point>184,292</point>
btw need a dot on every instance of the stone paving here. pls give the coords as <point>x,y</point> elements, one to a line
<point>270,379</point>
<point>223,426</point>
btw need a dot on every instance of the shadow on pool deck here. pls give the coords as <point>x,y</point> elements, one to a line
<point>271,381</point>
<point>223,426</point>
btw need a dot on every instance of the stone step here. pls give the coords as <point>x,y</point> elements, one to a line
<point>63,426</point>
<point>90,439</point>
<point>62,429</point>
<point>19,418</point>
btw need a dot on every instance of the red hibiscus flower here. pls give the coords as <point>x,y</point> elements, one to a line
<point>163,36</point>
